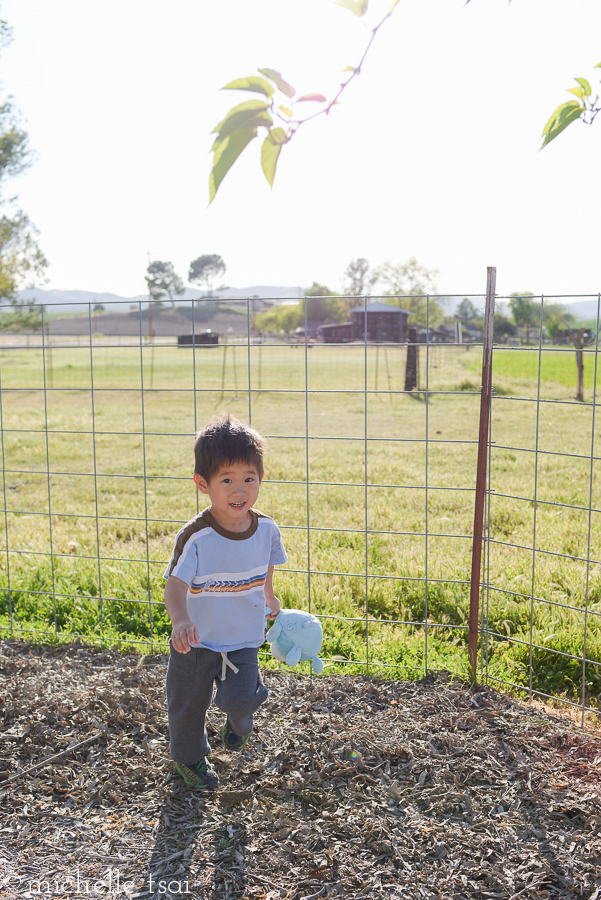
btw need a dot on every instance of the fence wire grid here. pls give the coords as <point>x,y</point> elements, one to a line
<point>372,483</point>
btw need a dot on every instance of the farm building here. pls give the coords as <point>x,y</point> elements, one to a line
<point>384,323</point>
<point>336,332</point>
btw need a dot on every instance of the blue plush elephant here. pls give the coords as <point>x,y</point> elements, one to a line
<point>296,636</point>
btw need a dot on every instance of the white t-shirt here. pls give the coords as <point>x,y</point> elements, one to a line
<point>225,572</point>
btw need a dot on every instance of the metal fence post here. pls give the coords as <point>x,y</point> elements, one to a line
<point>485,400</point>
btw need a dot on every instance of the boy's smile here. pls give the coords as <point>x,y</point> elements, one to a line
<point>232,491</point>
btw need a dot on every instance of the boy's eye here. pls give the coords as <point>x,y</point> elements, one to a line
<point>250,478</point>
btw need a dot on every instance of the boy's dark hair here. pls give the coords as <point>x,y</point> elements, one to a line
<point>227,441</point>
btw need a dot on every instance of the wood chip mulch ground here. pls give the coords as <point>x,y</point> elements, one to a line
<point>351,787</point>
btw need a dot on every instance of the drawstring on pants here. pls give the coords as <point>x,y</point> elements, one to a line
<point>226,663</point>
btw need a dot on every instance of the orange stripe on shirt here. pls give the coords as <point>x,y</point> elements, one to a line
<point>229,588</point>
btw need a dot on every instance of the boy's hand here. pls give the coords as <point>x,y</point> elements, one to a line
<point>270,598</point>
<point>274,605</point>
<point>183,631</point>
<point>183,635</point>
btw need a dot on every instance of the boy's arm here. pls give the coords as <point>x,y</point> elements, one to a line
<point>183,631</point>
<point>270,598</point>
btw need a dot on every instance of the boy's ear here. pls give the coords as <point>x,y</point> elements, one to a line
<point>201,484</point>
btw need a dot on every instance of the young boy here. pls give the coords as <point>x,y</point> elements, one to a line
<point>219,580</point>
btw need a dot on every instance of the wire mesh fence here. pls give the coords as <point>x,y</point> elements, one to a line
<point>542,550</point>
<point>371,475</point>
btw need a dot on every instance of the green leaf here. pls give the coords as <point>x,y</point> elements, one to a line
<point>225,154</point>
<point>563,116</point>
<point>246,115</point>
<point>390,11</point>
<point>359,7</point>
<point>316,98</point>
<point>252,83</point>
<point>286,111</point>
<point>577,91</point>
<point>278,136</point>
<point>279,82</point>
<point>270,151</point>
<point>585,86</point>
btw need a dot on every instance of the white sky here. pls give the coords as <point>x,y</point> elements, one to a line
<point>433,153</point>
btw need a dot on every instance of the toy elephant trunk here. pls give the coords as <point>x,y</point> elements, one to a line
<point>296,636</point>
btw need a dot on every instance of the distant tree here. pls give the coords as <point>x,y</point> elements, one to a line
<point>318,290</point>
<point>205,270</point>
<point>15,155</point>
<point>407,278</point>
<point>557,318</point>
<point>503,328</point>
<point>466,312</point>
<point>21,315</point>
<point>281,319</point>
<point>21,260</point>
<point>411,283</point>
<point>358,278</point>
<point>324,305</point>
<point>163,281</point>
<point>98,307</point>
<point>22,263</point>
<point>525,311</point>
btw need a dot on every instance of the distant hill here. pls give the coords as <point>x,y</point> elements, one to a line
<point>220,318</point>
<point>59,301</point>
<point>583,309</point>
<point>63,301</point>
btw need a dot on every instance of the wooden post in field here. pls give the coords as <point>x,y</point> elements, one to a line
<point>485,400</point>
<point>412,360</point>
<point>577,337</point>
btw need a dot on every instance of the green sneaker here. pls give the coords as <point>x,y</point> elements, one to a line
<point>200,776</point>
<point>230,740</point>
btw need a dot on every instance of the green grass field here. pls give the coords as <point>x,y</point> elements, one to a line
<point>390,516</point>
<point>519,367</point>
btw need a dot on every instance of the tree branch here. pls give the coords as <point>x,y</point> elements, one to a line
<point>345,84</point>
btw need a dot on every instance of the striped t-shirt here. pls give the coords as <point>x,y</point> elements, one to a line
<point>225,572</point>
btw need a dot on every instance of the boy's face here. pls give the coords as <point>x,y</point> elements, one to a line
<point>233,489</point>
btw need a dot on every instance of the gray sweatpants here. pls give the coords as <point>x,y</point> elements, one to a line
<point>190,680</point>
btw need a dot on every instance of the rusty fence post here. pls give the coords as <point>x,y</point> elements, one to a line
<point>485,401</point>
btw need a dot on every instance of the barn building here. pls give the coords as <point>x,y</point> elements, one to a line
<point>382,322</point>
